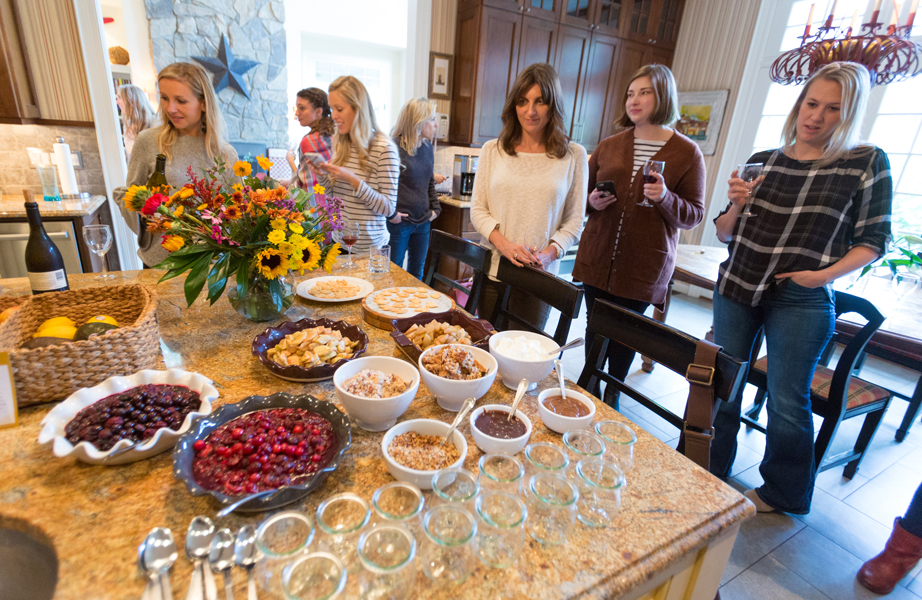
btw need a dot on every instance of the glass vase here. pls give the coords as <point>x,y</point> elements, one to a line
<point>258,304</point>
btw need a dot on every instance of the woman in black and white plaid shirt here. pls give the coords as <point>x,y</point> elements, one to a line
<point>822,209</point>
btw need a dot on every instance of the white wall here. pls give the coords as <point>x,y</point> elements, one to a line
<point>137,30</point>
<point>115,31</point>
<point>381,22</point>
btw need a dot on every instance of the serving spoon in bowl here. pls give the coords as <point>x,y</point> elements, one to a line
<point>519,394</point>
<point>465,408</point>
<point>568,346</point>
<point>558,366</point>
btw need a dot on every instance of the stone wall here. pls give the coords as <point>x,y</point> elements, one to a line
<point>181,29</point>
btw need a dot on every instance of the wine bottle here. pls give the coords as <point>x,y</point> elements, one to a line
<point>157,181</point>
<point>44,263</point>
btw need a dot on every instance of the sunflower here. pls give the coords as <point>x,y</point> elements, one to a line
<point>272,263</point>
<point>172,243</point>
<point>237,187</point>
<point>330,259</point>
<point>277,236</point>
<point>186,192</point>
<point>264,162</point>
<point>298,241</point>
<point>278,223</point>
<point>136,196</point>
<point>242,168</point>
<point>295,228</point>
<point>311,255</point>
<point>286,248</point>
<point>319,189</point>
<point>232,212</point>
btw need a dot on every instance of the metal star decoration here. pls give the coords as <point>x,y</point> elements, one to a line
<point>228,70</point>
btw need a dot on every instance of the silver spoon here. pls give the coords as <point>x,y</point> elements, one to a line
<point>159,555</point>
<point>198,540</point>
<point>465,408</point>
<point>246,554</point>
<point>519,394</point>
<point>574,344</point>
<point>234,505</point>
<point>153,580</point>
<point>558,366</point>
<point>221,558</point>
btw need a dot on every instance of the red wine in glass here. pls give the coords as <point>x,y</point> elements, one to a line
<point>349,236</point>
<point>349,240</point>
<point>649,168</point>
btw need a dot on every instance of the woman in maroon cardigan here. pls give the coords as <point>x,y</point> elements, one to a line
<point>627,251</point>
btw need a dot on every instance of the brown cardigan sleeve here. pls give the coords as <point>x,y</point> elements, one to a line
<point>683,207</point>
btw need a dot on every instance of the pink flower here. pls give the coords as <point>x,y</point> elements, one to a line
<point>152,204</point>
<point>217,235</point>
<point>260,176</point>
<point>215,219</point>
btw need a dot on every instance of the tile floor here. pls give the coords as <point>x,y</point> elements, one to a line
<point>813,556</point>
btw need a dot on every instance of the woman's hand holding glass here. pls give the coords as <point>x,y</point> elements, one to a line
<point>655,191</point>
<point>517,254</point>
<point>600,200</point>
<point>739,190</point>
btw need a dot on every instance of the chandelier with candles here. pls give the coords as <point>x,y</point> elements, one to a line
<point>888,53</point>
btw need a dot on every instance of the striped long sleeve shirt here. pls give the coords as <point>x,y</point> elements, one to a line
<point>376,197</point>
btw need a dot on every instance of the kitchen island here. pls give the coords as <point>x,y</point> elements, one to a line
<point>672,538</point>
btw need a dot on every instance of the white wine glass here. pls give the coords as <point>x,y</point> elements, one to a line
<point>99,239</point>
<point>535,239</point>
<point>905,284</point>
<point>751,174</point>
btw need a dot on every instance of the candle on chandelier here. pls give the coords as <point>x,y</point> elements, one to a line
<point>895,20</point>
<point>832,14</point>
<point>876,12</point>
<point>809,20</point>
<point>912,14</point>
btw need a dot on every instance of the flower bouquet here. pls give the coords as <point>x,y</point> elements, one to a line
<point>232,223</point>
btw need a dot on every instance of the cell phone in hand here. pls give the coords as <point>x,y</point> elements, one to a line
<point>606,186</point>
<point>314,158</point>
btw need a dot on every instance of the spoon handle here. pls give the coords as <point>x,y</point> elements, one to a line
<point>558,366</point>
<point>574,344</point>
<point>230,507</point>
<point>465,408</point>
<point>167,588</point>
<point>228,585</point>
<point>196,584</point>
<point>251,585</point>
<point>519,394</point>
<point>211,590</point>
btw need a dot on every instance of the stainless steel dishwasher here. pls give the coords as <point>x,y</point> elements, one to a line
<point>13,239</point>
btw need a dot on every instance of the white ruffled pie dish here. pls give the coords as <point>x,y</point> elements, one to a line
<point>55,421</point>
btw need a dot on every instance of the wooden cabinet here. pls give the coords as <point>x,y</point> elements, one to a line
<point>604,15</point>
<point>654,22</point>
<point>17,90</point>
<point>491,47</point>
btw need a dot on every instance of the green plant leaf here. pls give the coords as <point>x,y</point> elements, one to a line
<point>258,229</point>
<point>275,290</point>
<point>196,278</point>
<point>243,285</point>
<point>217,278</point>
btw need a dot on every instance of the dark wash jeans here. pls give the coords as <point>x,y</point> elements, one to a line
<point>412,238</point>
<point>798,323</point>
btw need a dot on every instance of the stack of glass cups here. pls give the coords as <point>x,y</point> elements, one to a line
<point>619,443</point>
<point>500,528</point>
<point>552,505</point>
<point>315,576</point>
<point>341,520</point>
<point>399,503</point>
<point>600,483</point>
<point>501,473</point>
<point>580,445</point>
<point>386,554</point>
<point>446,548</point>
<point>542,458</point>
<point>455,486</point>
<point>282,538</point>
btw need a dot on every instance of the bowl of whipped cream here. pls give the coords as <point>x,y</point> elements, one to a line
<point>523,355</point>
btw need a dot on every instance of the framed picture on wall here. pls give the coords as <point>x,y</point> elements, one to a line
<point>700,116</point>
<point>440,66</point>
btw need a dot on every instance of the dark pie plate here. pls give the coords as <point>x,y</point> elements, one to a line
<point>273,335</point>
<point>183,453</point>
<point>479,330</point>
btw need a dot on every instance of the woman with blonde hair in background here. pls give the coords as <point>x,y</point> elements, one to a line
<point>192,135</point>
<point>365,165</point>
<point>137,115</point>
<point>821,209</point>
<point>417,202</point>
<point>534,177</point>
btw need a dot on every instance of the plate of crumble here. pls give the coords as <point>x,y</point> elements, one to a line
<point>335,289</point>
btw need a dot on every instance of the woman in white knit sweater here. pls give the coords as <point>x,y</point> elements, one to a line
<point>365,166</point>
<point>530,177</point>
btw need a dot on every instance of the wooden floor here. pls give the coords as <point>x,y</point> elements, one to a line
<point>814,556</point>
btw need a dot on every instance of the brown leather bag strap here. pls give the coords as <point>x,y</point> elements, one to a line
<point>701,407</point>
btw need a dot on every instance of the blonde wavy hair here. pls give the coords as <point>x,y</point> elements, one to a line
<point>856,87</point>
<point>197,79</point>
<point>138,113</point>
<point>364,127</point>
<point>414,114</point>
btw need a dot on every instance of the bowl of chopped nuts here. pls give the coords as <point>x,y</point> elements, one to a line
<point>455,372</point>
<point>309,350</point>
<point>413,450</point>
<point>376,390</point>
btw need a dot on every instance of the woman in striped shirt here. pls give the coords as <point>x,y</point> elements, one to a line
<point>365,166</point>
<point>627,253</point>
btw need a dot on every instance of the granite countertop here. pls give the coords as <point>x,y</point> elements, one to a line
<point>11,207</point>
<point>454,202</point>
<point>96,516</point>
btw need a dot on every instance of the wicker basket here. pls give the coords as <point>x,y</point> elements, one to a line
<point>8,301</point>
<point>52,373</point>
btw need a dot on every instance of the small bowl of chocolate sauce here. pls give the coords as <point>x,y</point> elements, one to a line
<point>565,414</point>
<point>495,433</point>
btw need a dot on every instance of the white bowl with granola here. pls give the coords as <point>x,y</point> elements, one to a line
<point>376,390</point>
<point>454,372</point>
<point>413,452</point>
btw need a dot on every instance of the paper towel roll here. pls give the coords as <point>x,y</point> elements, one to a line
<point>65,167</point>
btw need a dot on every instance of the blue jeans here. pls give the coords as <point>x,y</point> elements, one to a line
<point>798,324</point>
<point>412,237</point>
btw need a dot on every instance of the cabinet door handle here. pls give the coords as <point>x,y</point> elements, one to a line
<point>22,237</point>
<point>528,10</point>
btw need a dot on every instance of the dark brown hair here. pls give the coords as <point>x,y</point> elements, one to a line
<point>667,96</point>
<point>318,99</point>
<point>555,136</point>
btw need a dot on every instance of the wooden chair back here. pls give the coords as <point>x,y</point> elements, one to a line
<point>473,255</point>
